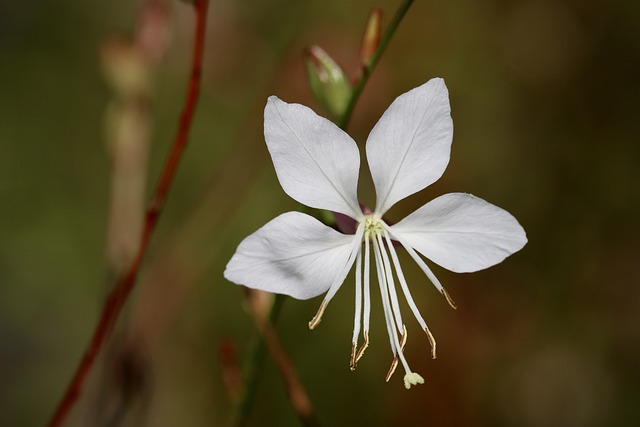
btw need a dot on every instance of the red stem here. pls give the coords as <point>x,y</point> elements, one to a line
<point>116,299</point>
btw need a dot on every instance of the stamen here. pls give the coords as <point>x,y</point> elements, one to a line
<point>363,348</point>
<point>396,348</point>
<point>448,298</point>
<point>367,290</point>
<point>385,297</point>
<point>403,282</point>
<point>407,294</point>
<point>391,287</point>
<point>318,317</point>
<point>399,356</point>
<point>355,357</point>
<point>426,270</point>
<point>358,310</point>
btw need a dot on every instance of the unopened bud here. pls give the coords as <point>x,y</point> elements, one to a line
<point>371,37</point>
<point>328,82</point>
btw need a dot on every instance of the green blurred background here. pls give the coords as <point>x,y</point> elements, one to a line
<point>544,99</point>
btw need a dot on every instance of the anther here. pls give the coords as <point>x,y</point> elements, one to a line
<point>448,298</point>
<point>392,369</point>
<point>318,317</point>
<point>432,342</point>
<point>363,348</point>
<point>352,360</point>
<point>394,364</point>
<point>403,338</point>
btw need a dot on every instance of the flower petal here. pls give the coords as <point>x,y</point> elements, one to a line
<point>293,254</point>
<point>409,147</point>
<point>316,162</point>
<point>461,232</point>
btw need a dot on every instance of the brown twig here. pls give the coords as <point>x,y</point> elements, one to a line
<point>295,390</point>
<point>115,301</point>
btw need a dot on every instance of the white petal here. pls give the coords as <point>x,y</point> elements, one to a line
<point>293,254</point>
<point>461,232</point>
<point>409,147</point>
<point>316,162</point>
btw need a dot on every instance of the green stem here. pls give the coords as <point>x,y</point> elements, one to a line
<point>369,67</point>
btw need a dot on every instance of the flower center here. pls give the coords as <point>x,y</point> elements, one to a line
<point>372,225</point>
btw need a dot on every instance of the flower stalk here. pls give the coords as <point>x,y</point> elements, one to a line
<point>368,67</point>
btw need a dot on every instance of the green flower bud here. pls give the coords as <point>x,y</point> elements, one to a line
<point>329,84</point>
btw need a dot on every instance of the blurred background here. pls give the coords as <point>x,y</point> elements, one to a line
<point>544,100</point>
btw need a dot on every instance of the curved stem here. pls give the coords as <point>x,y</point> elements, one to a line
<point>116,299</point>
<point>369,67</point>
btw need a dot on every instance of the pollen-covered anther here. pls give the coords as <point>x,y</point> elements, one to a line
<point>392,369</point>
<point>318,317</point>
<point>449,299</point>
<point>394,363</point>
<point>363,348</point>
<point>403,338</point>
<point>432,342</point>
<point>352,360</point>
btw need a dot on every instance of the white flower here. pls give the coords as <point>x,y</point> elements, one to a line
<point>317,165</point>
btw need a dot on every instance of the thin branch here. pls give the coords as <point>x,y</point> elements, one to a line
<point>116,299</point>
